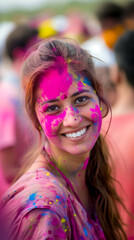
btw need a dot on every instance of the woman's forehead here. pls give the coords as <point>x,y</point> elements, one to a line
<point>61,84</point>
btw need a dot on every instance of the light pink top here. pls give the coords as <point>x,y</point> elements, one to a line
<point>38,206</point>
<point>121,143</point>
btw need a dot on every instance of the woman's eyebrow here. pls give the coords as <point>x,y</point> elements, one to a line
<point>50,101</point>
<point>73,95</point>
<point>79,92</point>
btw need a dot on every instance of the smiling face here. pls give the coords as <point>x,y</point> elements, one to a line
<point>67,108</point>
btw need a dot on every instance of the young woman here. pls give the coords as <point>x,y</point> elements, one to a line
<point>68,191</point>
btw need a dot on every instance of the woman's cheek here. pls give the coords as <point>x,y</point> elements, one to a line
<point>51,124</point>
<point>96,116</point>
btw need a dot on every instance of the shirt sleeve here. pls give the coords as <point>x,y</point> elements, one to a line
<point>42,224</point>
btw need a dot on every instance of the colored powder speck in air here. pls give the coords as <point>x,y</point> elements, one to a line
<point>32,196</point>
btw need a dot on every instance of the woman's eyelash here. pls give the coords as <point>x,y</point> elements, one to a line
<point>52,108</point>
<point>55,108</point>
<point>82,99</point>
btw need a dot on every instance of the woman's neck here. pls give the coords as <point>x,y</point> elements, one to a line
<point>74,171</point>
<point>73,166</point>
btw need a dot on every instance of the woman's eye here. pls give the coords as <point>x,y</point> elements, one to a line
<point>52,108</point>
<point>82,99</point>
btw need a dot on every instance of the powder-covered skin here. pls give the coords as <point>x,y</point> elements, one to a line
<point>38,206</point>
<point>64,113</point>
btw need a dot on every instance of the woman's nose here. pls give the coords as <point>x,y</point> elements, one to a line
<point>72,117</point>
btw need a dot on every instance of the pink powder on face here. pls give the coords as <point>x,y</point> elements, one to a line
<point>64,96</point>
<point>54,83</point>
<point>51,122</point>
<point>75,110</point>
<point>80,85</point>
<point>60,84</point>
<point>96,116</point>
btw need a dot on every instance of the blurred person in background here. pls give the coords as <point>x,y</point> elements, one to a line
<point>16,133</point>
<point>110,17</point>
<point>129,15</point>
<point>77,27</point>
<point>121,132</point>
<point>5,28</point>
<point>73,25</point>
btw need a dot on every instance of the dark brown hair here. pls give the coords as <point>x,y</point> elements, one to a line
<point>22,37</point>
<point>99,180</point>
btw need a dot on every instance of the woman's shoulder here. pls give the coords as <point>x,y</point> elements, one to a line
<point>37,197</point>
<point>36,189</point>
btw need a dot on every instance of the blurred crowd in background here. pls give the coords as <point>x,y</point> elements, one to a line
<point>109,37</point>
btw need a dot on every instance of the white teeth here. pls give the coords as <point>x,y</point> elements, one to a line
<point>77,134</point>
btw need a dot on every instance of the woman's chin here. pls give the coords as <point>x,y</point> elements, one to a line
<point>77,150</point>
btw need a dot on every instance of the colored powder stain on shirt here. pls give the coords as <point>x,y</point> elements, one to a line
<point>44,214</point>
<point>57,196</point>
<point>63,220</point>
<point>85,231</point>
<point>32,196</point>
<point>50,217</point>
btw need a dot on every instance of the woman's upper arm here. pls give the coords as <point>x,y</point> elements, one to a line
<point>41,224</point>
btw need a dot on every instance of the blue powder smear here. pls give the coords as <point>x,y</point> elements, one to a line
<point>86,81</point>
<point>85,231</point>
<point>32,196</point>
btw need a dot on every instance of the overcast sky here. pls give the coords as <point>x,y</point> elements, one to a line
<point>9,5</point>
